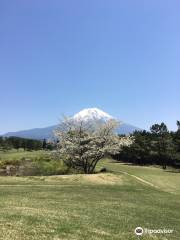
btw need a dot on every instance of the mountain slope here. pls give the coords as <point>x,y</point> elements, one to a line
<point>89,114</point>
<point>35,133</point>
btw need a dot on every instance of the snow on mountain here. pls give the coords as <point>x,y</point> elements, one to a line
<point>92,114</point>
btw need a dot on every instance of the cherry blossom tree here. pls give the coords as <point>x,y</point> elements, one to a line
<point>82,144</point>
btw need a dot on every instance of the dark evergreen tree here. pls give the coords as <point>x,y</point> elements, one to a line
<point>44,145</point>
<point>159,146</point>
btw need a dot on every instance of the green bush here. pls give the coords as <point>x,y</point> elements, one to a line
<point>14,162</point>
<point>50,167</point>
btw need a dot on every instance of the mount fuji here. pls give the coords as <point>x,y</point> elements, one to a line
<point>88,114</point>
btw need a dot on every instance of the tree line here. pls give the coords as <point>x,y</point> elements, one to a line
<point>7,143</point>
<point>157,146</point>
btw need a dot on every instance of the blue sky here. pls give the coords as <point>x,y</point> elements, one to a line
<point>58,57</point>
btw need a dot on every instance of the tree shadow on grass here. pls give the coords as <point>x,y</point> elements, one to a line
<point>173,170</point>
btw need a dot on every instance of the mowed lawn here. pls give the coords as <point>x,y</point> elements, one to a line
<point>99,206</point>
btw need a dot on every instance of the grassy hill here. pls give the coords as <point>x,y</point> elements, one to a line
<point>100,206</point>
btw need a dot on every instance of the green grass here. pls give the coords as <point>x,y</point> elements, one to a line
<point>166,180</point>
<point>90,207</point>
<point>17,155</point>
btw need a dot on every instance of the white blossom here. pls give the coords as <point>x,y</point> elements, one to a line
<point>83,144</point>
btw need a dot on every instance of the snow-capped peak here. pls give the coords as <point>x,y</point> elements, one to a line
<point>92,114</point>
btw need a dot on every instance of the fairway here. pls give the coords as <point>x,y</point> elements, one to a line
<point>99,206</point>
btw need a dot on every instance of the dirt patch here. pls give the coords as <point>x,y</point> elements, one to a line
<point>100,178</point>
<point>106,178</point>
<point>100,232</point>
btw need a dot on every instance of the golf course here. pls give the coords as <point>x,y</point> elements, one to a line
<point>97,206</point>
<point>89,120</point>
